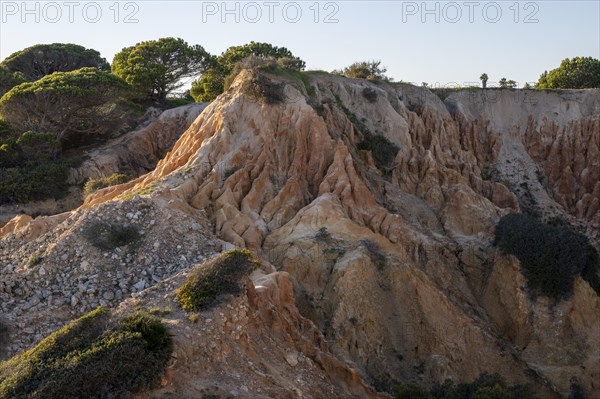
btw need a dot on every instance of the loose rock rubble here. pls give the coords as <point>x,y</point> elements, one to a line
<point>63,273</point>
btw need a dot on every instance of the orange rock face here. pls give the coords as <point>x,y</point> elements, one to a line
<point>394,264</point>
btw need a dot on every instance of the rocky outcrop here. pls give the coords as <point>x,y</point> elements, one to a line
<point>550,141</point>
<point>393,264</point>
<point>60,267</point>
<point>134,153</point>
<point>256,345</point>
<point>557,340</point>
<point>50,206</point>
<point>138,151</point>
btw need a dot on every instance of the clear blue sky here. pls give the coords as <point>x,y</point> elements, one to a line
<point>467,38</point>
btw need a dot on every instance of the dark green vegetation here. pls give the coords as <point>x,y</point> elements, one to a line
<point>507,84</point>
<point>220,276</point>
<point>6,131</point>
<point>31,168</point>
<point>156,68</point>
<point>37,61</point>
<point>60,111</point>
<point>213,81</point>
<point>575,73</point>
<point>486,386</point>
<point>91,357</point>
<point>370,70</point>
<point>94,185</point>
<point>262,89</point>
<point>9,79</point>
<point>108,236</point>
<point>484,78</point>
<point>550,256</point>
<point>76,107</point>
<point>55,99</point>
<point>384,151</point>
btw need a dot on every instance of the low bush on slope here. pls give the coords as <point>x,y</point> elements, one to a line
<point>32,168</point>
<point>93,185</point>
<point>108,236</point>
<point>384,151</point>
<point>91,357</point>
<point>486,386</point>
<point>551,256</point>
<point>220,276</point>
<point>262,89</point>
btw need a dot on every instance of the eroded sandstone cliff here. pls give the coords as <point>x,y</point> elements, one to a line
<point>393,264</point>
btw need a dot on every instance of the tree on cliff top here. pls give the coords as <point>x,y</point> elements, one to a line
<point>371,70</point>
<point>72,106</point>
<point>575,73</point>
<point>484,79</point>
<point>9,79</point>
<point>40,60</point>
<point>212,82</point>
<point>156,67</point>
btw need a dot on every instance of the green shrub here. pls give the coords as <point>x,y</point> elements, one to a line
<point>225,67</point>
<point>34,260</point>
<point>77,107</point>
<point>384,152</point>
<point>409,391</point>
<point>30,148</point>
<point>93,185</point>
<point>156,68</point>
<point>550,256</point>
<point>486,386</point>
<point>220,276</point>
<point>91,357</point>
<point>151,329</point>
<point>37,61</point>
<point>371,70</point>
<point>108,236</point>
<point>174,102</point>
<point>32,168</point>
<point>9,79</point>
<point>6,130</point>
<point>32,183</point>
<point>264,90</point>
<point>490,173</point>
<point>575,73</point>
